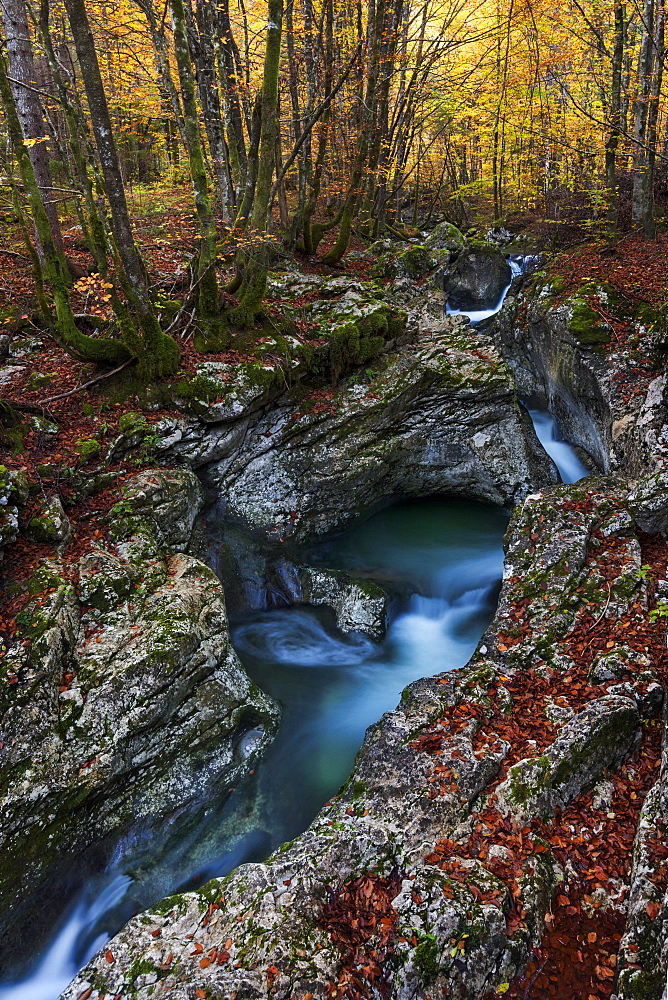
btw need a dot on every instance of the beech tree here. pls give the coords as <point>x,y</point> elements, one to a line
<point>302,126</point>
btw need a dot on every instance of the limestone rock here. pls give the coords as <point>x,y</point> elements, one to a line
<point>601,736</point>
<point>445,236</point>
<point>648,502</point>
<point>414,262</point>
<point>13,494</point>
<point>131,706</point>
<point>437,418</point>
<point>170,498</point>
<point>613,664</point>
<point>378,827</point>
<point>390,814</point>
<point>478,279</point>
<point>643,951</point>
<point>359,605</point>
<point>51,525</point>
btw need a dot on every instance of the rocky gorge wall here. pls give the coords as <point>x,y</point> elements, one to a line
<point>436,871</point>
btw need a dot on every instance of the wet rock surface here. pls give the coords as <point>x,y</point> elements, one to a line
<point>128,702</point>
<point>440,417</point>
<point>478,279</point>
<point>429,775</point>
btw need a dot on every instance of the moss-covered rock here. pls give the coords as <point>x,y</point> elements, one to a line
<point>586,325</point>
<point>122,702</point>
<point>642,964</point>
<point>88,448</point>
<point>440,417</point>
<point>600,737</point>
<point>51,525</point>
<point>415,262</point>
<point>445,236</point>
<point>13,495</point>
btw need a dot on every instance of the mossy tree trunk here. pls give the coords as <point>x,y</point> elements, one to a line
<point>254,282</point>
<point>213,333</point>
<point>157,353</point>
<point>14,18</point>
<point>94,228</point>
<point>55,267</point>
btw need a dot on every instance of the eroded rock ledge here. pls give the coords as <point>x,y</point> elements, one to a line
<point>439,416</point>
<point>449,896</point>
<point>126,702</point>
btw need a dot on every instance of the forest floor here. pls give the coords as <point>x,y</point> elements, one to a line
<point>577,958</point>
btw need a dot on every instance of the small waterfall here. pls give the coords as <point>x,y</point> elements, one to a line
<point>564,456</point>
<point>75,943</point>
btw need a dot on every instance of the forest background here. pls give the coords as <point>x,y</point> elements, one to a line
<point>296,125</point>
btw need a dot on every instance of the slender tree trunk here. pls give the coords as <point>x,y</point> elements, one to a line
<point>213,333</point>
<point>311,237</point>
<point>231,81</point>
<point>368,106</point>
<point>254,282</point>
<point>204,58</point>
<point>158,353</point>
<point>614,117</point>
<point>643,97</point>
<point>28,105</point>
<point>649,224</point>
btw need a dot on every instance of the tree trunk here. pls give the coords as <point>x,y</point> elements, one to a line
<point>643,97</point>
<point>207,83</point>
<point>158,353</point>
<point>28,105</point>
<point>254,282</point>
<point>614,117</point>
<point>649,224</point>
<point>230,77</point>
<point>94,229</point>
<point>213,335</point>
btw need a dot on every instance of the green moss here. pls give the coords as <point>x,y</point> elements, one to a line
<point>88,448</point>
<point>165,906</point>
<point>38,381</point>
<point>357,789</point>
<point>142,967</point>
<point>586,326</point>
<point>426,957</point>
<point>641,985</point>
<point>132,423</point>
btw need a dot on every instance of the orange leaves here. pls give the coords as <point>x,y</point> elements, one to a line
<point>361,921</point>
<point>652,910</point>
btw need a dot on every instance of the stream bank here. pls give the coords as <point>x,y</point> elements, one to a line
<point>388,851</point>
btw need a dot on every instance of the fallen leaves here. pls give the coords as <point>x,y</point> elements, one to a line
<point>361,922</point>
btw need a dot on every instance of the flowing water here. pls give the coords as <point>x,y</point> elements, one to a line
<point>564,456</point>
<point>442,559</point>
